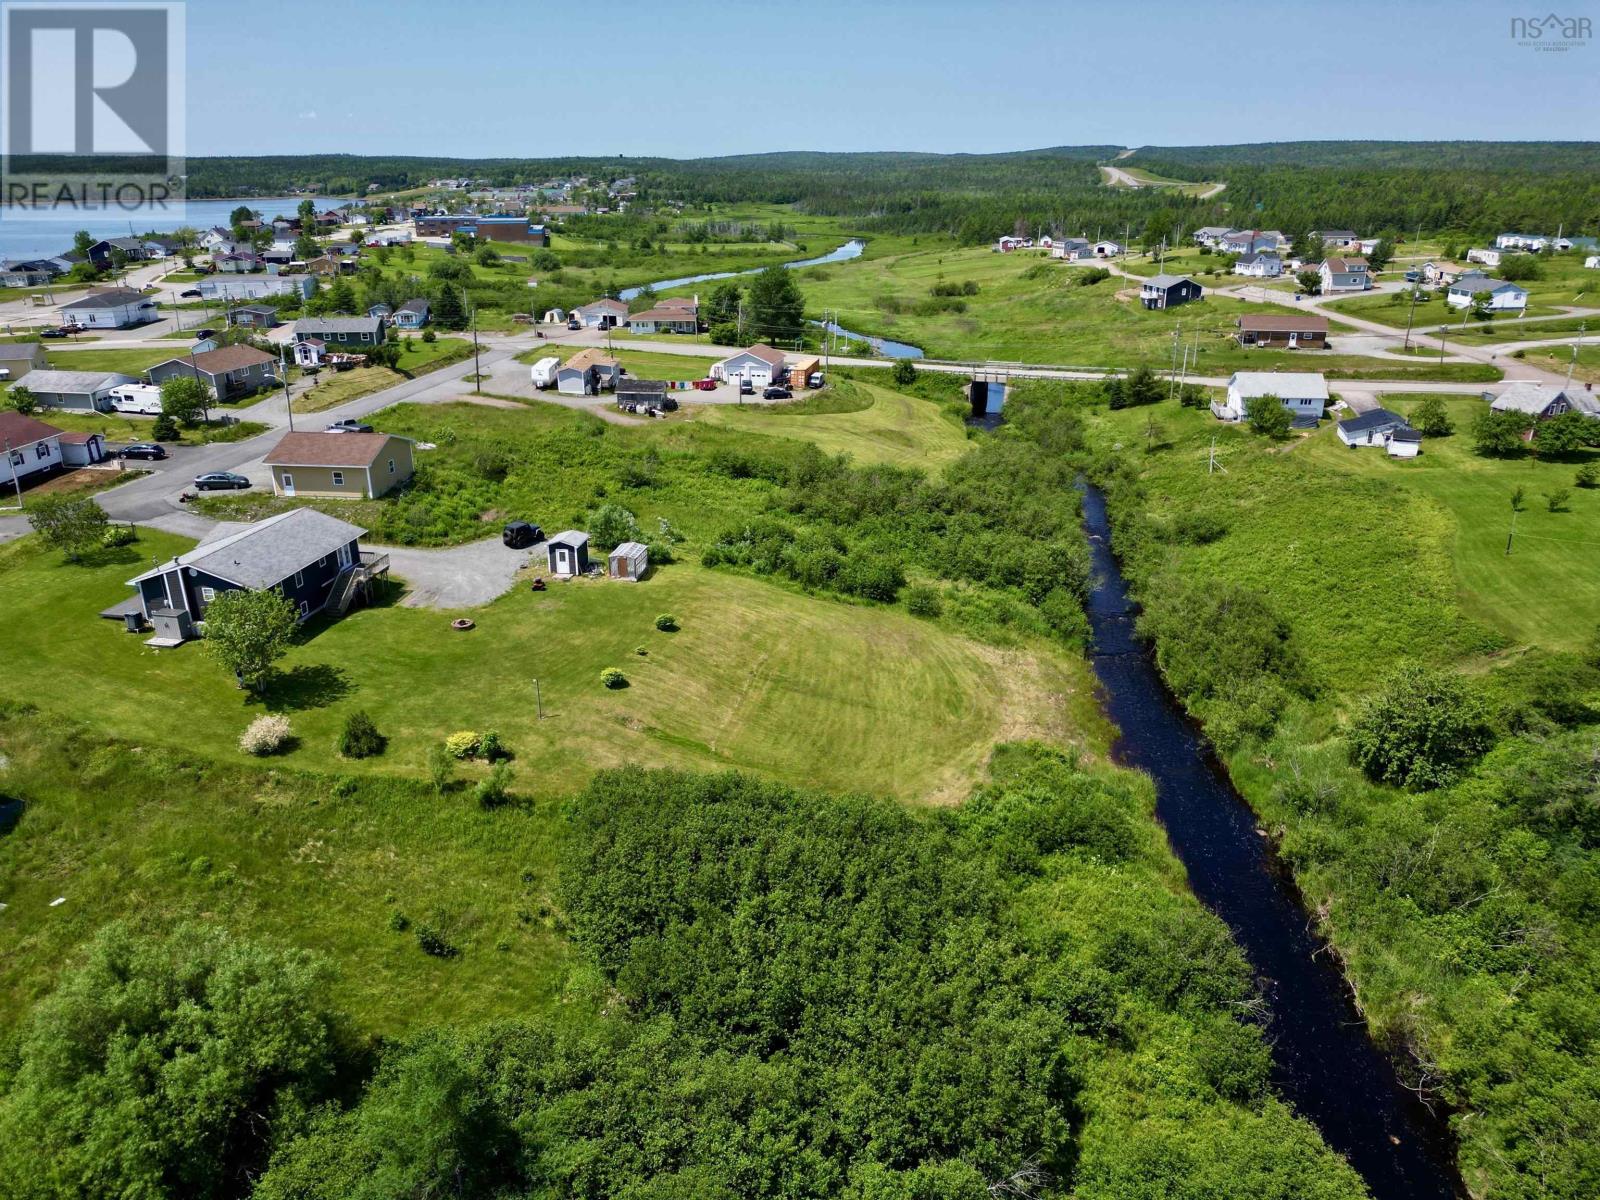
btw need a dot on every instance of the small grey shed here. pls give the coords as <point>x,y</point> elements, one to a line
<point>568,553</point>
<point>630,561</point>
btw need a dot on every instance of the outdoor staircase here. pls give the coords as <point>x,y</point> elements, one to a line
<point>353,578</point>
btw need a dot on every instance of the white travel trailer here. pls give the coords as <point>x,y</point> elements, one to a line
<point>544,372</point>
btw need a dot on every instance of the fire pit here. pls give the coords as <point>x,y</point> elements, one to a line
<point>461,623</point>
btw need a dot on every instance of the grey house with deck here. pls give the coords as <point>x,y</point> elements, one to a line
<point>315,561</point>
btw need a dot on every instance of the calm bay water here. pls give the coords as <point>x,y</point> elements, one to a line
<point>35,234</point>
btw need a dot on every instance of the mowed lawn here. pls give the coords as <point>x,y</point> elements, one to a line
<point>1547,591</point>
<point>894,428</point>
<point>809,690</point>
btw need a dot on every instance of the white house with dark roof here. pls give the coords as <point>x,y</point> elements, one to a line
<point>27,447</point>
<point>1504,296</point>
<point>110,308</point>
<point>413,314</point>
<point>1211,235</point>
<point>1303,393</point>
<point>1344,275</point>
<point>1372,428</point>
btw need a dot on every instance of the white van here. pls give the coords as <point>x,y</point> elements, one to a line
<point>141,399</point>
<point>544,372</point>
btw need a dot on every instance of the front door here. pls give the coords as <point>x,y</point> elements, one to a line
<point>563,561</point>
<point>344,556</point>
<point>287,481</point>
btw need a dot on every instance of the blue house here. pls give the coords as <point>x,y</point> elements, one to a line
<point>315,561</point>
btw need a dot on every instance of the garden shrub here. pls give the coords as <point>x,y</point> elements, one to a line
<point>360,737</point>
<point>435,943</point>
<point>610,525</point>
<point>491,748</point>
<point>612,678</point>
<point>494,789</point>
<point>267,734</point>
<point>119,535</point>
<point>667,623</point>
<point>462,744</point>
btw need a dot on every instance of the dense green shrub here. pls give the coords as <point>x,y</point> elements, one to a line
<point>924,601</point>
<point>610,525</point>
<point>360,737</point>
<point>432,942</point>
<point>494,789</point>
<point>613,678</point>
<point>666,623</point>
<point>1420,730</point>
<point>461,744</point>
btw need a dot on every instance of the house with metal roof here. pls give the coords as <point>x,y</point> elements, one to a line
<point>111,308</point>
<point>314,560</point>
<point>80,391</point>
<point>364,465</point>
<point>1541,401</point>
<point>1303,393</point>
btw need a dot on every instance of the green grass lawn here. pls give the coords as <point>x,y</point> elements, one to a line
<point>118,427</point>
<point>901,705</point>
<point>1391,309</point>
<point>142,829</point>
<point>892,428</point>
<point>129,361</point>
<point>641,364</point>
<point>1535,594</point>
<point>1559,358</point>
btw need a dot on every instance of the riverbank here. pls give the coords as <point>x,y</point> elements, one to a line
<point>1281,591</point>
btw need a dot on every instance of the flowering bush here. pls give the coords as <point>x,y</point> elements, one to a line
<point>267,734</point>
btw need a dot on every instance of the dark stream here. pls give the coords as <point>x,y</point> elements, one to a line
<point>1323,1062</point>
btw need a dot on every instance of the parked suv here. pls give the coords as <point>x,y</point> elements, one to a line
<point>776,393</point>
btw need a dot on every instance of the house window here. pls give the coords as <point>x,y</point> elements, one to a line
<point>338,479</point>
<point>42,450</point>
<point>17,458</point>
<point>207,595</point>
<point>305,609</point>
<point>299,579</point>
<point>391,466</point>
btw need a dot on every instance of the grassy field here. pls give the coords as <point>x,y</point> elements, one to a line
<point>1533,594</point>
<point>133,362</point>
<point>1391,308</point>
<point>641,364</point>
<point>417,357</point>
<point>892,427</point>
<point>1031,309</point>
<point>902,706</point>
<point>1559,358</point>
<point>116,427</point>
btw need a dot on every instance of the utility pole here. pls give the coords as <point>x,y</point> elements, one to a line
<point>16,478</point>
<point>283,373</point>
<point>1410,312</point>
<point>477,362</point>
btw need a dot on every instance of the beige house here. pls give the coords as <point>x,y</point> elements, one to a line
<point>357,465</point>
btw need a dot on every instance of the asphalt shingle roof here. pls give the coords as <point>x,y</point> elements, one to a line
<point>269,551</point>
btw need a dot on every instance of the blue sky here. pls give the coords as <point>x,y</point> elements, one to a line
<point>493,77</point>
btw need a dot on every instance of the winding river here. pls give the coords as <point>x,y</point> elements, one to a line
<point>1323,1061</point>
<point>884,347</point>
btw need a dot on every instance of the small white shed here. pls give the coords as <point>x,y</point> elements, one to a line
<point>1405,443</point>
<point>629,561</point>
<point>568,553</point>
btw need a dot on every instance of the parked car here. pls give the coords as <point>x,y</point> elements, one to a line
<point>573,325</point>
<point>746,388</point>
<point>52,332</point>
<point>349,427</point>
<point>814,380</point>
<point>520,534</point>
<point>201,335</point>
<point>220,480</point>
<point>776,393</point>
<point>705,385</point>
<point>142,450</point>
<point>189,294</point>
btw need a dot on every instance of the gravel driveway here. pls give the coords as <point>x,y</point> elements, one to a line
<point>457,577</point>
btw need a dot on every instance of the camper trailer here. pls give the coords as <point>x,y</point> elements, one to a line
<point>141,399</point>
<point>544,372</point>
